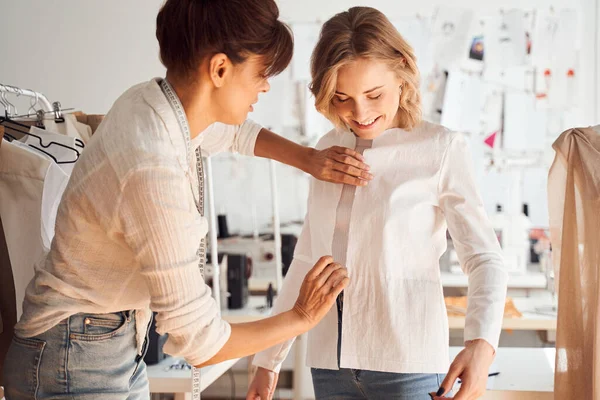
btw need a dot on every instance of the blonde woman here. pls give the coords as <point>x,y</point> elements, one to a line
<point>388,338</point>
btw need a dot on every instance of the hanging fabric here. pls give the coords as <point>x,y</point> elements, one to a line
<point>31,187</point>
<point>574,206</point>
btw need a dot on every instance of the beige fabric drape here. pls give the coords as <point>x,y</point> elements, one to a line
<point>574,206</point>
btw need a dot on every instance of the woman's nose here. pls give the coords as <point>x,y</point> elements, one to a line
<point>360,111</point>
<point>266,86</point>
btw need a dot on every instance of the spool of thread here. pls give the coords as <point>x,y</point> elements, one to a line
<point>222,223</point>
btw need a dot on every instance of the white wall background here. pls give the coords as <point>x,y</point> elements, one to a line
<point>81,53</point>
<point>85,53</point>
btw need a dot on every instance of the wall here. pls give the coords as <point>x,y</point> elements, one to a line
<point>81,53</point>
<point>85,53</point>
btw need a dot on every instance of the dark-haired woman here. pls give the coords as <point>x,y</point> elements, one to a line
<point>130,230</point>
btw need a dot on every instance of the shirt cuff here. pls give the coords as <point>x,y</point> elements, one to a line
<point>264,361</point>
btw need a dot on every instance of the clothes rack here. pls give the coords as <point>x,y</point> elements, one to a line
<point>28,93</point>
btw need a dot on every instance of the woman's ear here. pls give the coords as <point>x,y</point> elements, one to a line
<point>219,68</point>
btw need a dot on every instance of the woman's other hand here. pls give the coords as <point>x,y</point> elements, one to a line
<point>263,385</point>
<point>472,366</point>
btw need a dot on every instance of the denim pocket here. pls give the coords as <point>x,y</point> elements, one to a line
<point>21,369</point>
<point>94,327</point>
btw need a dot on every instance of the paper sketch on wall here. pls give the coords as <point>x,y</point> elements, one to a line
<point>555,38</point>
<point>463,102</point>
<point>554,55</point>
<point>505,39</point>
<point>525,127</point>
<point>306,36</point>
<point>449,36</point>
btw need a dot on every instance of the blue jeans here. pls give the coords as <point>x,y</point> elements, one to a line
<point>84,357</point>
<point>353,384</point>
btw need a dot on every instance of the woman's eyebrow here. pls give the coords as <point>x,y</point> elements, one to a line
<point>367,92</point>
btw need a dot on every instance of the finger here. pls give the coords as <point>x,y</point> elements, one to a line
<point>349,152</point>
<point>337,289</point>
<point>350,160</point>
<point>448,382</point>
<point>326,273</point>
<point>335,278</point>
<point>352,171</point>
<point>340,177</point>
<point>319,267</point>
<point>252,395</point>
<point>265,394</point>
<point>463,394</point>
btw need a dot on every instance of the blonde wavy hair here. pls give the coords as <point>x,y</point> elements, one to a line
<point>363,32</point>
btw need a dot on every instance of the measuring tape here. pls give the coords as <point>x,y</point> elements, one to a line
<point>201,253</point>
<point>196,383</point>
<point>196,389</point>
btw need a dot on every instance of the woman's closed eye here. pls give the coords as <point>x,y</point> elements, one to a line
<point>375,97</point>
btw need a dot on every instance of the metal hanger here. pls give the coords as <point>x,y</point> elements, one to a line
<point>42,146</point>
<point>39,114</point>
<point>7,105</point>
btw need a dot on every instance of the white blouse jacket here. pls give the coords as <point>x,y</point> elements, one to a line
<point>394,316</point>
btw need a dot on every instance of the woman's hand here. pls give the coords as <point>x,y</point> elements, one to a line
<point>321,286</point>
<point>263,385</point>
<point>335,164</point>
<point>472,366</point>
<point>338,165</point>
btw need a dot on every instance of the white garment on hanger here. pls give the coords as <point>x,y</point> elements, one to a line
<point>61,154</point>
<point>31,186</point>
<point>70,127</point>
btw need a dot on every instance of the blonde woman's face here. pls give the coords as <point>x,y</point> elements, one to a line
<point>367,97</point>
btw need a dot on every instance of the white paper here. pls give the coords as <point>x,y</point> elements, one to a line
<point>546,27</point>
<point>306,36</point>
<point>450,36</point>
<point>463,101</point>
<point>525,127</point>
<point>504,39</point>
<point>566,43</point>
<point>554,42</point>
<point>491,113</point>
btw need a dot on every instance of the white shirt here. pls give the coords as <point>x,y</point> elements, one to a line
<point>70,127</point>
<point>127,229</point>
<point>50,143</point>
<point>394,316</point>
<point>31,186</point>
